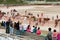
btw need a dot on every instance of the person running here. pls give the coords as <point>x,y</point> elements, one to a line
<point>56,23</point>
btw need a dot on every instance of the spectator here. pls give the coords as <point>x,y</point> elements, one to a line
<point>14,25</point>
<point>28,28</point>
<point>32,29</point>
<point>7,27</point>
<point>11,28</point>
<point>25,26</point>
<point>54,35</point>
<point>49,35</point>
<point>38,32</point>
<point>58,36</point>
<point>17,28</point>
<point>2,23</point>
<point>17,25</point>
<point>20,28</point>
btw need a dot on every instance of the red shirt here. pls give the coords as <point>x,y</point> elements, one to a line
<point>54,34</point>
<point>28,30</point>
<point>38,32</point>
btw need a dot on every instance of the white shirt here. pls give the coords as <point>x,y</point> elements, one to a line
<point>32,29</point>
<point>25,26</point>
<point>20,27</point>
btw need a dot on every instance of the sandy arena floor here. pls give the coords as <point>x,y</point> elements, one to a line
<point>49,11</point>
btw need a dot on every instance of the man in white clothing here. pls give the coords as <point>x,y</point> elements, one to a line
<point>25,26</point>
<point>32,29</point>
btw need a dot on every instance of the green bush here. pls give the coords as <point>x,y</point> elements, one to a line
<point>1,1</point>
<point>12,2</point>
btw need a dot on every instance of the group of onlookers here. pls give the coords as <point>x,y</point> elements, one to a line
<point>52,35</point>
<point>19,28</point>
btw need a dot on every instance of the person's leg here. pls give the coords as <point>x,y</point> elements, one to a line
<point>12,31</point>
<point>7,30</point>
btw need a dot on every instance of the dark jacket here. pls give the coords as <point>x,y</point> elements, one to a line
<point>17,26</point>
<point>7,27</point>
<point>49,35</point>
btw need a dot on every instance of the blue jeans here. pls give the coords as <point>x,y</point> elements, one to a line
<point>11,30</point>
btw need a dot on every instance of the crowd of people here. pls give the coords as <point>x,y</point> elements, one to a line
<point>18,29</point>
<point>52,35</point>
